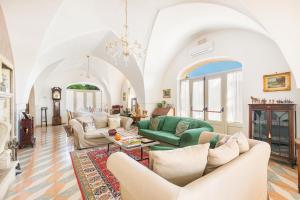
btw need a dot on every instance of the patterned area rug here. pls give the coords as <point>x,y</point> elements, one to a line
<point>94,179</point>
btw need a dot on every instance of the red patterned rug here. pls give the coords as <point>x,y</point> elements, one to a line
<point>94,179</point>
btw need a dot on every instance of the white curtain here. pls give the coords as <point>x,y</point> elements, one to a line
<point>214,99</point>
<point>89,100</point>
<point>198,99</point>
<point>80,101</point>
<point>234,97</point>
<point>99,100</point>
<point>184,98</point>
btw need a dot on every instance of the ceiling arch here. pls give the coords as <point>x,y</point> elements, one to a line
<point>35,26</point>
<point>172,35</point>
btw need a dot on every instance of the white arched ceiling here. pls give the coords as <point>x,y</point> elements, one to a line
<point>36,26</point>
<point>172,31</point>
<point>73,52</point>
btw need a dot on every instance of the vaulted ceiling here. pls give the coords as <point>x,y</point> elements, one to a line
<point>51,31</point>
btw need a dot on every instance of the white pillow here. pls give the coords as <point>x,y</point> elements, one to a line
<point>242,141</point>
<point>101,119</point>
<point>114,123</point>
<point>114,116</point>
<point>180,166</point>
<point>221,155</point>
<point>86,119</point>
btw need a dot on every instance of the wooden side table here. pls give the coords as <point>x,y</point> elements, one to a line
<point>297,141</point>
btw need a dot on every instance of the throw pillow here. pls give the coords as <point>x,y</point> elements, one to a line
<point>114,123</point>
<point>223,140</point>
<point>114,116</point>
<point>210,137</point>
<point>181,127</point>
<point>154,122</point>
<point>86,119</point>
<point>213,141</point>
<point>180,166</point>
<point>242,141</point>
<point>88,126</point>
<point>221,155</point>
<point>101,120</point>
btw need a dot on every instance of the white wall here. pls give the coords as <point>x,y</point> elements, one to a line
<point>258,55</point>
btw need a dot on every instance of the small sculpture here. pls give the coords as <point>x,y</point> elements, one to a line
<point>255,100</point>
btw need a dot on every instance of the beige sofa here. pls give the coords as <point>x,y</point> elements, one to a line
<point>244,178</point>
<point>94,138</point>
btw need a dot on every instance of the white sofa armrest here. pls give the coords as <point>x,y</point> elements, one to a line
<point>78,132</point>
<point>126,122</point>
<point>138,181</point>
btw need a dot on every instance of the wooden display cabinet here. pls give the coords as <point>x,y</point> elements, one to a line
<point>276,125</point>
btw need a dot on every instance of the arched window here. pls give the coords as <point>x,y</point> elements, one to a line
<point>211,91</point>
<point>83,97</point>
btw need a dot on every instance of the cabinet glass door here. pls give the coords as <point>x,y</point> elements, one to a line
<point>280,133</point>
<point>260,125</point>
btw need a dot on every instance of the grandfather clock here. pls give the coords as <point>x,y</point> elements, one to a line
<point>56,96</point>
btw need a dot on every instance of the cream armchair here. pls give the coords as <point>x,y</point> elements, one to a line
<point>244,178</point>
<point>94,138</point>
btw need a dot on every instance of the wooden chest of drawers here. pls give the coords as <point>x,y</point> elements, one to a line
<point>26,132</point>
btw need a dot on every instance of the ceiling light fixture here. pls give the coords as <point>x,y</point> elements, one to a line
<point>121,49</point>
<point>88,67</point>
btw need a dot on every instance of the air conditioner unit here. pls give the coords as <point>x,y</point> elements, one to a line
<point>203,46</point>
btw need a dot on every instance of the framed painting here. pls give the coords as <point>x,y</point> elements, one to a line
<point>167,93</point>
<point>277,82</point>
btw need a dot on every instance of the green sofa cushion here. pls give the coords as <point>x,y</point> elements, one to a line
<point>163,136</point>
<point>170,124</point>
<point>154,123</point>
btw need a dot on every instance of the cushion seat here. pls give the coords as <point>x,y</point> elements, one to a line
<point>161,136</point>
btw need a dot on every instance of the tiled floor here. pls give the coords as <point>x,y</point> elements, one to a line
<point>48,173</point>
<point>47,169</point>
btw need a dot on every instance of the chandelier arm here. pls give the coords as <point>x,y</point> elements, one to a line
<point>88,75</point>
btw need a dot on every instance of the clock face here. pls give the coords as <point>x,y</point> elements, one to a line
<point>56,95</point>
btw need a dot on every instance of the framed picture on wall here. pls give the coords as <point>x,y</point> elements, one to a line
<point>277,82</point>
<point>167,93</point>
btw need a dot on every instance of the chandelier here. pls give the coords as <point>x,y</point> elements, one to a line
<point>121,49</point>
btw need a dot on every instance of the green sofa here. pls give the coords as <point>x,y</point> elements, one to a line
<point>167,129</point>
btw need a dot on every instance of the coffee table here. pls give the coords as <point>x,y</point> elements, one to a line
<point>125,136</point>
